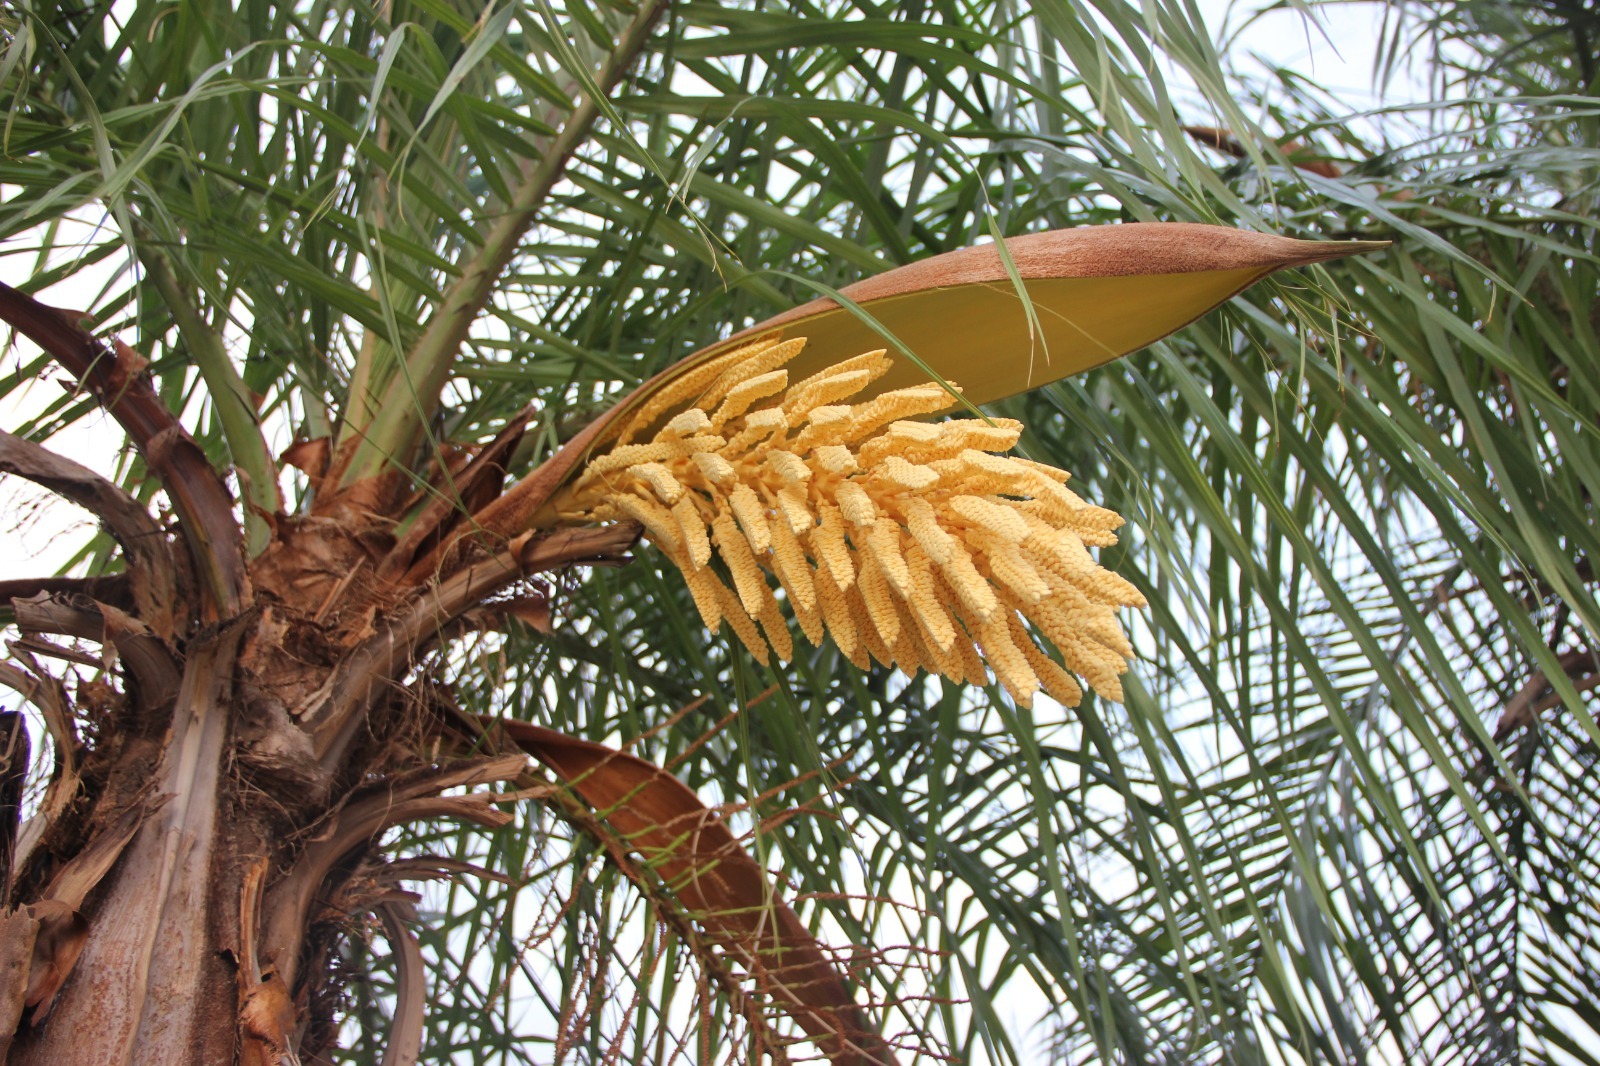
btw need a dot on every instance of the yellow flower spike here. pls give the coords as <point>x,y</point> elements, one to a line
<point>856,504</point>
<point>1024,475</point>
<point>631,455</point>
<point>867,631</point>
<point>1108,634</point>
<point>796,511</point>
<point>693,528</point>
<point>660,480</point>
<point>859,658</point>
<point>744,626</point>
<point>971,589</point>
<point>1061,505</point>
<point>660,451</point>
<point>1010,666</point>
<point>930,535</point>
<point>875,363</point>
<point>794,573</point>
<point>835,610</point>
<point>757,364</point>
<point>789,466</point>
<point>894,406</point>
<point>691,383</point>
<point>752,516</point>
<point>928,655</point>
<point>1109,688</point>
<point>1054,473</point>
<point>1089,524</point>
<point>810,619</point>
<point>991,517</point>
<point>757,427</point>
<point>1010,568</point>
<point>835,459</point>
<point>825,391</point>
<point>663,527</point>
<point>931,615</point>
<point>776,629</point>
<point>746,393</point>
<point>1047,550</point>
<point>904,653</point>
<point>1098,584</point>
<point>883,543</point>
<point>913,652</point>
<point>1064,591</point>
<point>1053,679</point>
<point>879,603</point>
<point>691,422</point>
<point>971,434</point>
<point>707,590</point>
<point>824,425</point>
<point>1089,659</point>
<point>908,436</point>
<point>828,545</point>
<point>735,551</point>
<point>714,468</point>
<point>915,543</point>
<point>907,440</point>
<point>899,474</point>
<point>973,669</point>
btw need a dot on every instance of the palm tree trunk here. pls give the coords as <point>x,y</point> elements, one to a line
<point>157,977</point>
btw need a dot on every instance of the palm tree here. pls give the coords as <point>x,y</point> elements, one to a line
<point>354,275</point>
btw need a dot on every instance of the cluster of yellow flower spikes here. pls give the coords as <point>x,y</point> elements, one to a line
<point>908,541</point>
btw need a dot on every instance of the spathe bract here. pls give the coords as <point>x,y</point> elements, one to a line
<point>1098,292</point>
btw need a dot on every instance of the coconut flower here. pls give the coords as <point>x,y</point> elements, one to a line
<point>773,473</point>
<point>917,544</point>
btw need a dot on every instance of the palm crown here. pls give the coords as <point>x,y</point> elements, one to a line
<point>354,275</point>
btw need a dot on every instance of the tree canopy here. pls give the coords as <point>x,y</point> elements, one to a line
<point>1347,808</point>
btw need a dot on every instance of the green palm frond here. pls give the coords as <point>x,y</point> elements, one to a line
<point>1360,499</point>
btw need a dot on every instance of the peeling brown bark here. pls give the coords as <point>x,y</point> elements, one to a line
<point>151,974</point>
